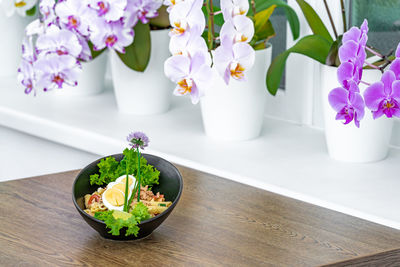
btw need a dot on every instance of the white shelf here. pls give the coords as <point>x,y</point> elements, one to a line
<point>23,155</point>
<point>287,159</point>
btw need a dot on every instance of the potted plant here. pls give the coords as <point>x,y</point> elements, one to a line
<point>213,63</point>
<point>344,143</point>
<point>119,26</point>
<point>138,73</point>
<point>14,16</point>
<point>57,52</point>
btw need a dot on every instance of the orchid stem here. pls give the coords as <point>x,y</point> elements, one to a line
<point>365,83</point>
<point>253,6</point>
<point>343,16</point>
<point>330,19</point>
<point>372,65</point>
<point>376,53</point>
<point>211,32</point>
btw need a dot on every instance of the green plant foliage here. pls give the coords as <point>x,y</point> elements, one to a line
<point>94,52</point>
<point>314,21</point>
<point>137,55</point>
<point>313,46</point>
<point>333,56</point>
<point>31,12</point>
<point>263,29</point>
<point>289,12</point>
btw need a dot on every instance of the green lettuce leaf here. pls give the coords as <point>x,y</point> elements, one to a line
<point>110,169</point>
<point>116,220</point>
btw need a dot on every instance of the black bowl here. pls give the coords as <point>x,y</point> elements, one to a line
<point>170,184</point>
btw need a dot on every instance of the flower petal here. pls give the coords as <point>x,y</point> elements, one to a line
<point>388,77</point>
<point>338,98</point>
<point>395,67</point>
<point>358,104</point>
<point>373,95</point>
<point>177,67</point>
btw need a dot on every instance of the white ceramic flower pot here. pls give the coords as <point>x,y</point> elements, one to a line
<point>148,92</point>
<point>235,112</point>
<point>348,143</point>
<point>12,32</point>
<point>91,80</point>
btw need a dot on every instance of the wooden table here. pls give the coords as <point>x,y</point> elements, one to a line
<point>217,222</point>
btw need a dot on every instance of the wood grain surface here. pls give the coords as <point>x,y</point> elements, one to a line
<point>217,222</point>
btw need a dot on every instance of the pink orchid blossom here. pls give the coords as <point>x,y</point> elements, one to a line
<point>186,16</point>
<point>59,41</point>
<point>191,75</point>
<point>348,105</point>
<point>110,10</point>
<point>233,60</point>
<point>112,35</point>
<point>53,71</point>
<point>232,8</point>
<point>240,29</point>
<point>75,15</point>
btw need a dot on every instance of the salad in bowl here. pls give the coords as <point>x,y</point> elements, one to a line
<point>128,195</point>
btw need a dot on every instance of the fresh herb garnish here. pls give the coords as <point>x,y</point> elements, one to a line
<point>116,220</point>
<point>110,169</point>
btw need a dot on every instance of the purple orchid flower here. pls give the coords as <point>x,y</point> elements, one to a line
<point>46,9</point>
<point>191,75</point>
<point>26,76</point>
<point>110,10</point>
<point>358,35</point>
<point>138,139</point>
<point>75,15</point>
<point>59,41</point>
<point>113,35</point>
<point>348,76</point>
<point>86,54</point>
<point>233,60</point>
<point>142,10</point>
<point>383,97</point>
<point>53,71</point>
<point>348,105</point>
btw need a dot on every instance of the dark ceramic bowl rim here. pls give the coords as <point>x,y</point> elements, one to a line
<point>145,221</point>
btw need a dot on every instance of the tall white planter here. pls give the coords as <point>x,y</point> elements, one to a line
<point>12,31</point>
<point>91,80</point>
<point>148,92</point>
<point>235,112</point>
<point>348,143</point>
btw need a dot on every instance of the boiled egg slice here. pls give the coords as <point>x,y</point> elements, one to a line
<point>114,195</point>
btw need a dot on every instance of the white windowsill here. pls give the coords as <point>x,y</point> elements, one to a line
<point>287,159</point>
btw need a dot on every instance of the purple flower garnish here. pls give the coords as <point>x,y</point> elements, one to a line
<point>138,139</point>
<point>383,97</point>
<point>348,105</point>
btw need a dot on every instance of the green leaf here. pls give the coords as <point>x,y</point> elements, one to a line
<point>314,21</point>
<point>95,53</point>
<point>162,20</point>
<point>313,46</point>
<point>333,56</point>
<point>263,34</point>
<point>141,212</point>
<point>108,172</point>
<point>31,12</point>
<point>289,12</point>
<point>137,55</point>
